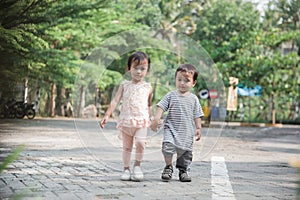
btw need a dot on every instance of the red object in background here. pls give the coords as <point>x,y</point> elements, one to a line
<point>213,94</point>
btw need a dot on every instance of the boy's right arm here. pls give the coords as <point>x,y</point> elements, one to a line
<point>112,106</point>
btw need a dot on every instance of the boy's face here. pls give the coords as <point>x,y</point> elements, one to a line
<point>139,71</point>
<point>184,82</point>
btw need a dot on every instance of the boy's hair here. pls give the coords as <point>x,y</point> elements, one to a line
<point>189,69</point>
<point>138,57</point>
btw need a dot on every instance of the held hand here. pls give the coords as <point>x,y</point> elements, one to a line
<point>155,125</point>
<point>103,122</point>
<point>198,134</point>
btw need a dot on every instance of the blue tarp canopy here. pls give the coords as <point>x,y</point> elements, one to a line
<point>246,91</point>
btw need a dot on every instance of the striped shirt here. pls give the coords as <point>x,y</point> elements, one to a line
<point>179,126</point>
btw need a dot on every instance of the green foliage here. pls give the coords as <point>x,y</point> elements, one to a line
<point>252,50</point>
<point>220,21</point>
<point>81,43</point>
<point>11,158</point>
<point>19,40</point>
<point>26,39</point>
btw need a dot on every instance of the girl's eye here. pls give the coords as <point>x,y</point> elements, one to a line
<point>184,80</point>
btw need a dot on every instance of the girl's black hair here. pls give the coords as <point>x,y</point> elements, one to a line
<point>138,56</point>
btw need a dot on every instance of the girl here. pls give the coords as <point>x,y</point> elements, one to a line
<point>136,96</point>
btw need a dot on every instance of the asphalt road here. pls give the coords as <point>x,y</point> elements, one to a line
<point>75,159</point>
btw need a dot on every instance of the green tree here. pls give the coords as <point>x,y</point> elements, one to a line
<point>19,40</point>
<point>45,40</point>
<point>221,21</point>
<point>260,62</point>
<point>36,42</point>
<point>226,29</point>
<point>244,47</point>
<point>284,17</point>
<point>70,36</point>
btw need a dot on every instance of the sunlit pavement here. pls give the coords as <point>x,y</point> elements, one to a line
<point>74,159</point>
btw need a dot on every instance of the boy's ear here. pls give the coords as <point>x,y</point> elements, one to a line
<point>194,83</point>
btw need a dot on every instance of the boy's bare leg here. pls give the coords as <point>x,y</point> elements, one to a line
<point>168,170</point>
<point>168,160</point>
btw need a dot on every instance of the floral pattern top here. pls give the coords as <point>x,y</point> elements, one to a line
<point>134,105</point>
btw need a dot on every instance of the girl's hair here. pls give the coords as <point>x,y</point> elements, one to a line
<point>138,57</point>
<point>188,68</point>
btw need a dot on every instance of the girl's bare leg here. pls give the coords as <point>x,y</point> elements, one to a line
<point>140,143</point>
<point>127,147</point>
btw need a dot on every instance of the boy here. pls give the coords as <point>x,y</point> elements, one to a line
<point>184,115</point>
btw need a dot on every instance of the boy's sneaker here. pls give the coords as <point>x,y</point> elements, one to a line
<point>184,176</point>
<point>137,174</point>
<point>167,173</point>
<point>126,175</point>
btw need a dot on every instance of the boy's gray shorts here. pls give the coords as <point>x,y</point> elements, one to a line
<point>184,157</point>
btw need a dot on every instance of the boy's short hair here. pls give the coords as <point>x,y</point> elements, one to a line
<point>138,57</point>
<point>188,68</point>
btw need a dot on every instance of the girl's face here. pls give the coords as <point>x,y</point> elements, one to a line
<point>184,82</point>
<point>138,72</point>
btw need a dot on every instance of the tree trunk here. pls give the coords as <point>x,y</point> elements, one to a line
<point>63,101</point>
<point>273,110</point>
<point>273,101</point>
<point>25,90</point>
<point>52,99</point>
<point>37,97</point>
<point>98,101</point>
<point>249,104</point>
<point>60,102</point>
<point>81,103</point>
<point>243,109</point>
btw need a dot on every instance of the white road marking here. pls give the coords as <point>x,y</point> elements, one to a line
<point>221,186</point>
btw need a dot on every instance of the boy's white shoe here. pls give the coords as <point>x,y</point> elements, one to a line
<point>126,175</point>
<point>137,174</point>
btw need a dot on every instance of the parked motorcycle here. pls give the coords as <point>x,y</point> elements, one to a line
<point>17,109</point>
<point>8,109</point>
<point>23,109</point>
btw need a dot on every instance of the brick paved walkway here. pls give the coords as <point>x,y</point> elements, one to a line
<point>56,165</point>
